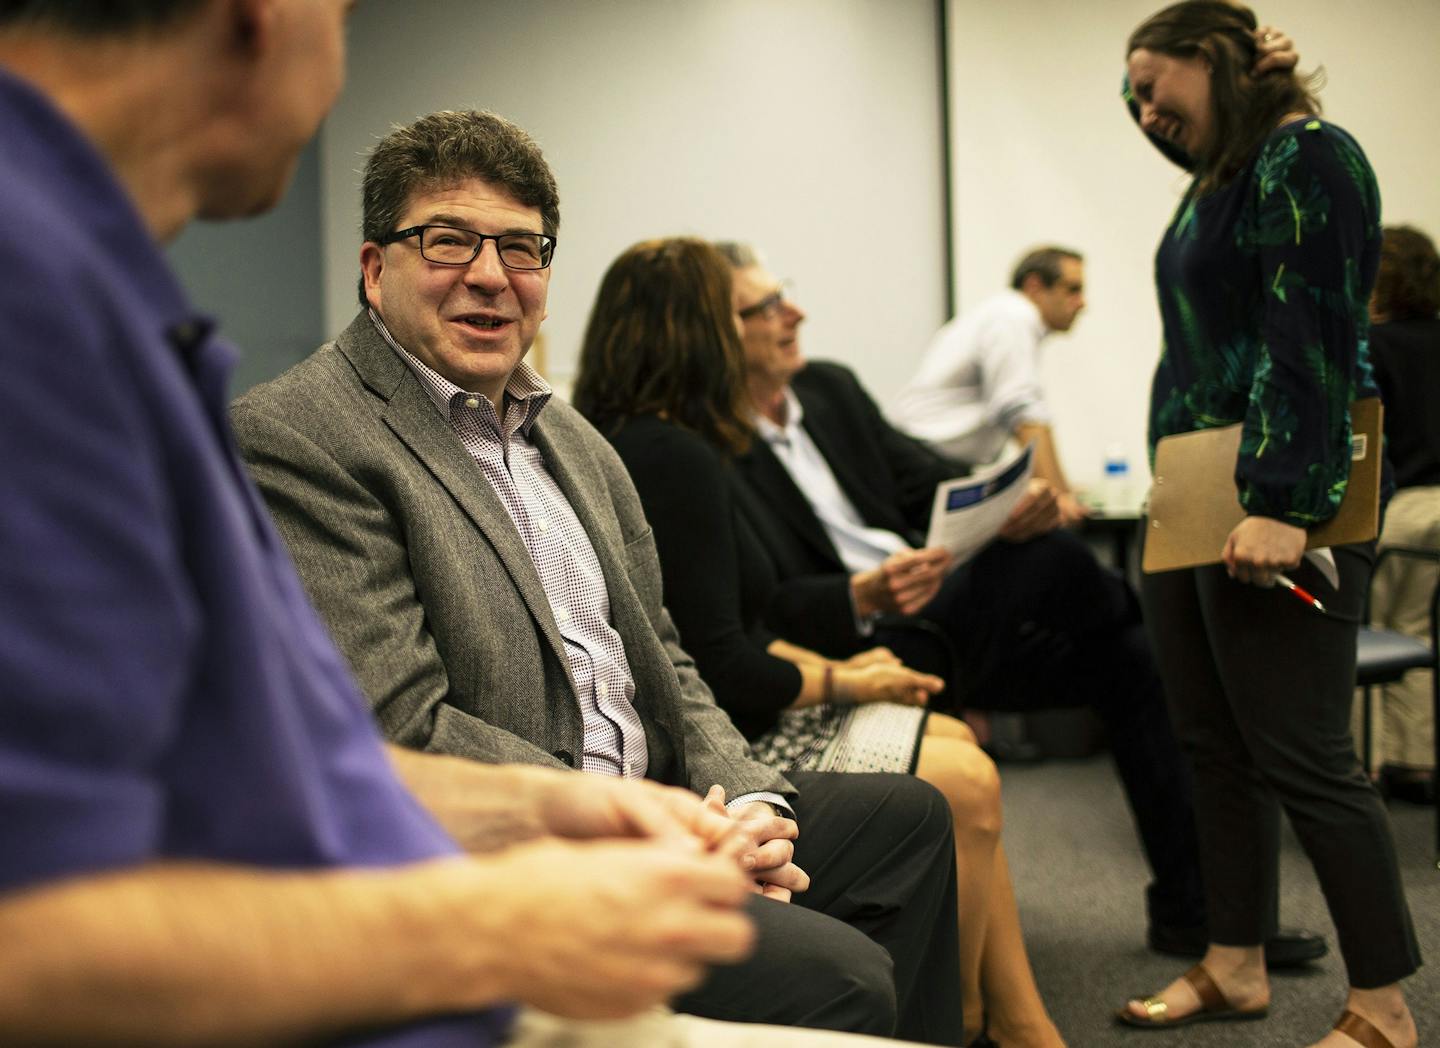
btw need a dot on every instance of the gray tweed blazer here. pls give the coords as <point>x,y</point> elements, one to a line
<point>426,585</point>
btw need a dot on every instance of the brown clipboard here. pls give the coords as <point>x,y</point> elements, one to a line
<point>1194,505</point>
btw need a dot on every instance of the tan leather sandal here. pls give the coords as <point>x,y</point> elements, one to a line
<point>1360,1030</point>
<point>1213,1008</point>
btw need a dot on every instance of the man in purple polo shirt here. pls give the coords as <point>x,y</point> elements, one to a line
<point>202,837</point>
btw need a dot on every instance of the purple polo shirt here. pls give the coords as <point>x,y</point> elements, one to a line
<point>166,691</point>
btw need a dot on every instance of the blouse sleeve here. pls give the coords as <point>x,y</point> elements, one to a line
<point>1314,225</point>
<point>687,498</point>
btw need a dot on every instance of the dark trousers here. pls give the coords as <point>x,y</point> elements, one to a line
<point>873,946</point>
<point>1260,687</point>
<point>1042,624</point>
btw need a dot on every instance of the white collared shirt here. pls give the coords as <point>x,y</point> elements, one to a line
<point>978,380</point>
<point>860,547</point>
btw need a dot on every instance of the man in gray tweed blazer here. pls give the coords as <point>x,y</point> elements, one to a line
<point>481,556</point>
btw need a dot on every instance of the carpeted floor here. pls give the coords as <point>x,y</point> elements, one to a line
<point>1079,877</point>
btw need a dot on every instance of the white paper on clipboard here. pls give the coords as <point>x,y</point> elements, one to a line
<point>969,512</point>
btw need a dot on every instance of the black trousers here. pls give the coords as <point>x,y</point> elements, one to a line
<point>1260,687</point>
<point>873,946</point>
<point>1042,624</point>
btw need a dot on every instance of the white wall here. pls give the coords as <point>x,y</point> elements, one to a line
<point>809,126</point>
<point>1044,151</point>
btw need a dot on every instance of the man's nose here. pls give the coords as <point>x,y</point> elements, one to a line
<point>1147,116</point>
<point>793,313</point>
<point>486,271</point>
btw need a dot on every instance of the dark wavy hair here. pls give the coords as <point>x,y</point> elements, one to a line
<point>1408,284</point>
<point>446,148</point>
<point>1044,262</point>
<point>1245,108</point>
<point>661,340</point>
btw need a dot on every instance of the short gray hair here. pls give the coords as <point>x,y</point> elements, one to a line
<point>739,255</point>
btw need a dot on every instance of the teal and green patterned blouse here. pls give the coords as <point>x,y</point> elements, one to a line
<point>1263,287</point>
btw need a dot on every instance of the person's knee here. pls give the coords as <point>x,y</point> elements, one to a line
<point>944,726</point>
<point>831,976</point>
<point>851,990</point>
<point>919,807</point>
<point>1309,774</point>
<point>873,832</point>
<point>970,783</point>
<point>838,979</point>
<point>809,969</point>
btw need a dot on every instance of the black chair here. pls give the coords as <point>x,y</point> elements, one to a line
<point>1384,656</point>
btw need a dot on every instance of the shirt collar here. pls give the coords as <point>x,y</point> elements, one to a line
<point>794,415</point>
<point>525,386</point>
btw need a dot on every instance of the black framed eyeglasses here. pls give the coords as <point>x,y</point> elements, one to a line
<point>768,306</point>
<point>454,246</point>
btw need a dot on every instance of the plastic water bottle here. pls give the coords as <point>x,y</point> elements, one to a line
<point>1115,495</point>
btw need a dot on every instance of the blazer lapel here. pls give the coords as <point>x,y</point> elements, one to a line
<point>772,481</point>
<point>412,416</point>
<point>823,427</point>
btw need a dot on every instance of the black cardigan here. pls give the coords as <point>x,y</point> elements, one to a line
<point>718,577</point>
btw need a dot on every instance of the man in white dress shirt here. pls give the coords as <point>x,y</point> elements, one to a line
<point>979,381</point>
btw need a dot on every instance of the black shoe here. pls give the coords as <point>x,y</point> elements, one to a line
<point>1413,785</point>
<point>1287,948</point>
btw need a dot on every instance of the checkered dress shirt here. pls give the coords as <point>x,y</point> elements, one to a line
<point>614,738</point>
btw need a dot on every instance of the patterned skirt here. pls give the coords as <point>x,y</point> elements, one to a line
<point>876,736</point>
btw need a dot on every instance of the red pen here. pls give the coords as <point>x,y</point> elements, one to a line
<point>1300,594</point>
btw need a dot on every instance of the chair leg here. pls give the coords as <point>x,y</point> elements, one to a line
<point>1367,741</point>
<point>1435,732</point>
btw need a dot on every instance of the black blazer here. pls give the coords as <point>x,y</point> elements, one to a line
<point>888,476</point>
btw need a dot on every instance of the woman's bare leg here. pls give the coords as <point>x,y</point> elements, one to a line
<point>995,974</point>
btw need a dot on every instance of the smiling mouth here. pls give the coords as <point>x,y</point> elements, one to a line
<point>482,323</point>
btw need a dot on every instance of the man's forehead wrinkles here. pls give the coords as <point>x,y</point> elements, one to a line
<point>450,218</point>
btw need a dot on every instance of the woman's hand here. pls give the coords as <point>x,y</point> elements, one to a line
<point>882,682</point>
<point>1276,51</point>
<point>1260,548</point>
<point>879,656</point>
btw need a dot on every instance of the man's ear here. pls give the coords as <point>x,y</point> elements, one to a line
<point>372,264</point>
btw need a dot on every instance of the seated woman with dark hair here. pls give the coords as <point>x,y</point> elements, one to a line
<point>661,375</point>
<point>1405,350</point>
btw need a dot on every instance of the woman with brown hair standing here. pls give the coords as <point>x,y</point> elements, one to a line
<point>1263,277</point>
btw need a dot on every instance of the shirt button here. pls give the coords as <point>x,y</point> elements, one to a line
<point>562,614</point>
<point>543,525</point>
<point>472,402</point>
<point>603,689</point>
